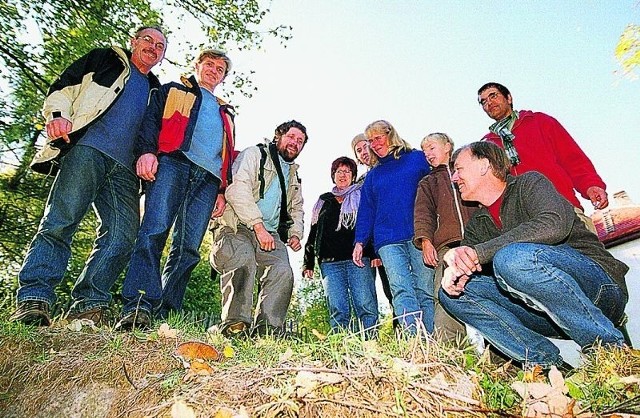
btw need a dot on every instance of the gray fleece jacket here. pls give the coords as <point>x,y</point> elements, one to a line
<point>533,211</point>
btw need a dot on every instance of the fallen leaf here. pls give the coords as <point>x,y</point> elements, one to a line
<point>224,412</point>
<point>74,325</point>
<point>182,410</point>
<point>318,334</point>
<point>629,380</point>
<point>534,374</point>
<point>556,380</point>
<point>228,352</point>
<point>306,382</point>
<point>286,356</point>
<point>165,331</point>
<point>402,367</point>
<point>197,350</point>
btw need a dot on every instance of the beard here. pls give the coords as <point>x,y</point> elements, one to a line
<point>288,154</point>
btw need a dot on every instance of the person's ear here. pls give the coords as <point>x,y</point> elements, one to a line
<point>485,166</point>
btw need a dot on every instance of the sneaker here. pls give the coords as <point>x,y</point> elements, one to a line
<point>32,312</point>
<point>138,319</point>
<point>235,330</point>
<point>99,315</point>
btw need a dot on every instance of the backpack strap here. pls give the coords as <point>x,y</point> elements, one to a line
<point>263,159</point>
<point>284,221</point>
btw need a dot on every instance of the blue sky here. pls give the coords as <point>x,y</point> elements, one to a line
<point>419,65</point>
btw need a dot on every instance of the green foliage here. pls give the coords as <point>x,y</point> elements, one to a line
<point>308,308</point>
<point>600,382</point>
<point>38,40</point>
<point>627,51</point>
<point>21,208</point>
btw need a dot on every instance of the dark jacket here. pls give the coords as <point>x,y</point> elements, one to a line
<point>440,214</point>
<point>84,92</point>
<point>533,211</point>
<point>324,242</point>
<point>171,118</point>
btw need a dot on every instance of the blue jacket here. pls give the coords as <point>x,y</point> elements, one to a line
<point>388,198</point>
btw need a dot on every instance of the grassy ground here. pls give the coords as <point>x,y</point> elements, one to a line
<point>78,370</point>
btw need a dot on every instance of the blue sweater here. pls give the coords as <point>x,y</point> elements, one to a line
<point>388,197</point>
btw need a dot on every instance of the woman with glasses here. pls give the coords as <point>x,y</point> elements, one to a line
<point>385,218</point>
<point>348,288</point>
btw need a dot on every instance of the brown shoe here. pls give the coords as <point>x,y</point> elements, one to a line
<point>235,330</point>
<point>32,312</point>
<point>138,319</point>
<point>99,315</point>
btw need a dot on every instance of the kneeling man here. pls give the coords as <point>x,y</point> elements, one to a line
<point>528,268</point>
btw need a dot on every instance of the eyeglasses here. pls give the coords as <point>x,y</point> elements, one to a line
<point>151,42</point>
<point>490,97</point>
<point>377,138</point>
<point>343,171</point>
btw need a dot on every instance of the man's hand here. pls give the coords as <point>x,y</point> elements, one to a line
<point>265,239</point>
<point>453,284</point>
<point>376,262</point>
<point>598,197</point>
<point>307,274</point>
<point>357,255</point>
<point>59,128</point>
<point>294,243</point>
<point>218,209</point>
<point>463,259</point>
<point>429,253</point>
<point>147,166</point>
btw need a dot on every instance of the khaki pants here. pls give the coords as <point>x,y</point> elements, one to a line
<point>588,222</point>
<point>239,260</point>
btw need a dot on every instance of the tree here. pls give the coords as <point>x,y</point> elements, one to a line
<point>628,49</point>
<point>38,40</point>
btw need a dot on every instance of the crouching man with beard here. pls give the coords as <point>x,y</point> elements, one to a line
<point>264,214</point>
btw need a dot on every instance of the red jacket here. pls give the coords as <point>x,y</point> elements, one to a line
<point>544,145</point>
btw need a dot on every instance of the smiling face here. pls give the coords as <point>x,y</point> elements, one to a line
<point>468,175</point>
<point>210,72</point>
<point>290,144</point>
<point>379,143</point>
<point>362,153</point>
<point>343,177</point>
<point>147,49</point>
<point>436,152</point>
<point>495,104</point>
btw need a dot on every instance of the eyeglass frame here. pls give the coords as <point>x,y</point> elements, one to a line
<point>152,42</point>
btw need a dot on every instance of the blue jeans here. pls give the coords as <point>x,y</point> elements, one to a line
<point>345,286</point>
<point>87,178</point>
<point>183,196</point>
<point>541,291</point>
<point>411,283</point>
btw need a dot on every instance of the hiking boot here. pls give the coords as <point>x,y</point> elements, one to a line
<point>264,330</point>
<point>99,315</point>
<point>32,312</point>
<point>138,319</point>
<point>235,330</point>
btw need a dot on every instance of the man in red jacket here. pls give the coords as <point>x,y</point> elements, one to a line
<point>535,141</point>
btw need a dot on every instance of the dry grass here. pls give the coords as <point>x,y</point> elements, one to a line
<point>58,372</point>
